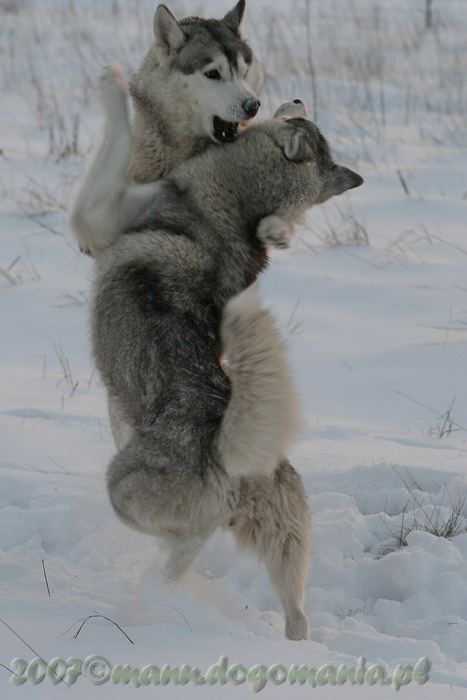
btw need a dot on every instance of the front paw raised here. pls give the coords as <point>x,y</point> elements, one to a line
<point>274,231</point>
<point>112,87</point>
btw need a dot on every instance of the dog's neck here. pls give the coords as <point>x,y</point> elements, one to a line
<point>229,183</point>
<point>157,146</point>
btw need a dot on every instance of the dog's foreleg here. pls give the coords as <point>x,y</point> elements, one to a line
<point>107,203</point>
<point>96,214</point>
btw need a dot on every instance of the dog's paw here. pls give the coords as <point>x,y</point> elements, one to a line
<point>112,86</point>
<point>92,249</point>
<point>87,251</point>
<point>272,230</point>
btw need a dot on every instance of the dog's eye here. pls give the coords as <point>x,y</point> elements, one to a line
<point>213,75</point>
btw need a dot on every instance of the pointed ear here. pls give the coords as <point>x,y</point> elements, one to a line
<point>344,179</point>
<point>233,19</point>
<point>295,142</point>
<point>168,32</point>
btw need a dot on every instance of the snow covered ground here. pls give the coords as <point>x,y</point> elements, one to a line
<point>372,300</point>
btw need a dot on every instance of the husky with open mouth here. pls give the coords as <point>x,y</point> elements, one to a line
<point>198,83</point>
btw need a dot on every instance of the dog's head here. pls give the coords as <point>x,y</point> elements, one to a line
<point>205,70</point>
<point>291,162</point>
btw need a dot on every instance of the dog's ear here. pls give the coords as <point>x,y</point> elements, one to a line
<point>233,19</point>
<point>344,179</point>
<point>295,143</point>
<point>168,32</point>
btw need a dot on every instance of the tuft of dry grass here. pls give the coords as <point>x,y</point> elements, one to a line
<point>443,517</point>
<point>445,425</point>
<point>66,370</point>
<point>340,227</point>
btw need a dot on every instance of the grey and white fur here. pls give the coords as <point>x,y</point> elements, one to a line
<point>199,449</point>
<point>197,85</point>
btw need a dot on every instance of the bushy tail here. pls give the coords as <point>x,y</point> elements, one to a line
<point>261,417</point>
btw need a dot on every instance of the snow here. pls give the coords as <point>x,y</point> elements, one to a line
<point>376,334</point>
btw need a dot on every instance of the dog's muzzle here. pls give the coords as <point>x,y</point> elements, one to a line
<point>251,106</point>
<point>227,131</point>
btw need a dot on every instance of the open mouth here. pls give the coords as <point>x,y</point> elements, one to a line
<point>224,131</point>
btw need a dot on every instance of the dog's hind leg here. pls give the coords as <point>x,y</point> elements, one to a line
<point>184,547</point>
<point>148,494</point>
<point>273,520</point>
<point>121,430</point>
<point>287,571</point>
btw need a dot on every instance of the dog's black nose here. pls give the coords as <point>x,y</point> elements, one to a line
<point>251,106</point>
<point>297,102</point>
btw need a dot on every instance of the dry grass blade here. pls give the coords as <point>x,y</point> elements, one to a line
<point>4,273</point>
<point>34,652</point>
<point>292,326</point>
<point>341,228</point>
<point>436,413</point>
<point>180,613</point>
<point>445,427</point>
<point>66,369</point>
<point>89,617</point>
<point>45,226</point>
<point>45,577</point>
<point>8,669</point>
<point>403,183</point>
